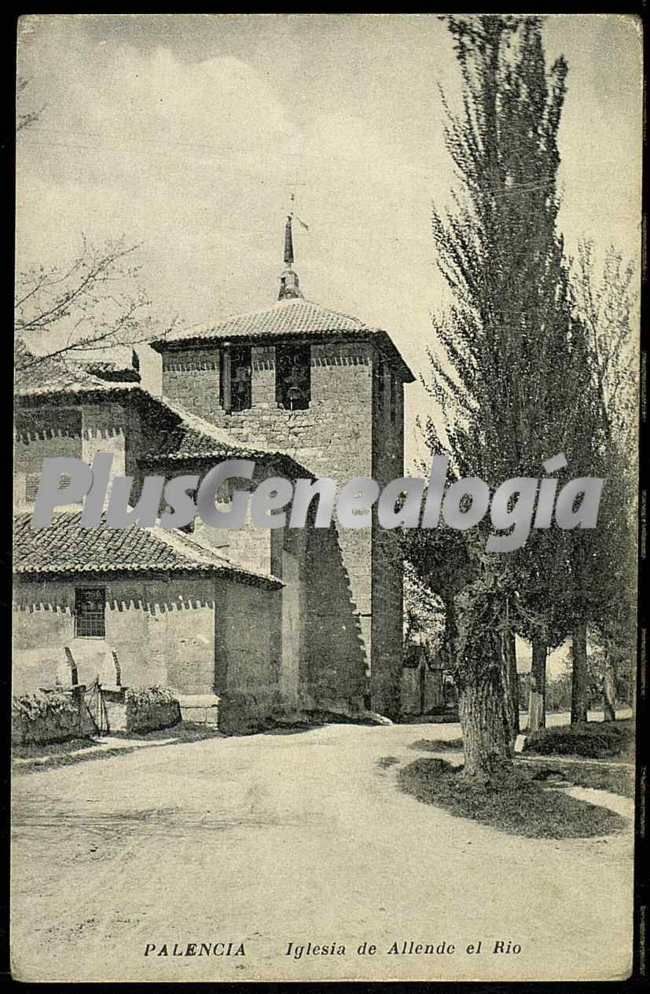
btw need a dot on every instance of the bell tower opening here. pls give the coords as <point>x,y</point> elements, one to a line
<point>293,376</point>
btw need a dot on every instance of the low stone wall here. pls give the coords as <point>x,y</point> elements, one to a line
<point>140,709</point>
<point>199,709</point>
<point>158,716</point>
<point>48,716</point>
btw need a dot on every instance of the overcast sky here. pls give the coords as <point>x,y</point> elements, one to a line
<point>186,133</point>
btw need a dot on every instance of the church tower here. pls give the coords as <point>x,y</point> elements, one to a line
<point>327,389</point>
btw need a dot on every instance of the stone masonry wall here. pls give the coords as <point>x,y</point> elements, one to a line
<point>332,438</point>
<point>353,427</point>
<point>387,577</point>
<point>191,378</point>
<point>104,430</point>
<point>46,432</point>
<point>78,431</point>
<point>162,630</point>
<point>248,655</point>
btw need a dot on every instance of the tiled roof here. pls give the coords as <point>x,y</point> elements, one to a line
<point>40,375</point>
<point>118,363</point>
<point>191,437</point>
<point>295,316</point>
<point>180,434</point>
<point>182,442</point>
<point>288,317</point>
<point>110,371</point>
<point>66,548</point>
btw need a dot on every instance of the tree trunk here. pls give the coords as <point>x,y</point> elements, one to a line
<point>609,690</point>
<point>484,707</point>
<point>537,697</point>
<point>579,677</point>
<point>486,743</point>
<point>483,701</point>
<point>513,680</point>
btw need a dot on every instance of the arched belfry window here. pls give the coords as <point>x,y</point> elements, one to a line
<point>236,374</point>
<point>293,376</point>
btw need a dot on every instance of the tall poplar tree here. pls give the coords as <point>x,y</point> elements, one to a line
<point>511,376</point>
<point>604,596</point>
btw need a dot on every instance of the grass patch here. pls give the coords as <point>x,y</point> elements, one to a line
<point>79,750</point>
<point>183,731</point>
<point>519,806</point>
<point>386,761</point>
<point>593,739</point>
<point>69,759</point>
<point>34,751</point>
<point>617,779</point>
<point>446,717</point>
<point>437,745</point>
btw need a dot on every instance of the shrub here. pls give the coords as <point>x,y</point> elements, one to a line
<point>29,707</point>
<point>143,698</point>
<point>48,716</point>
<point>148,708</point>
<point>595,739</point>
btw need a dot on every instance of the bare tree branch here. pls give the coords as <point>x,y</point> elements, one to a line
<point>25,118</point>
<point>94,302</point>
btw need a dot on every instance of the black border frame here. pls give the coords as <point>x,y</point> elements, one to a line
<point>641,968</point>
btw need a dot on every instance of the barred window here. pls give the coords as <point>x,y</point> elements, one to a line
<point>90,612</point>
<point>32,483</point>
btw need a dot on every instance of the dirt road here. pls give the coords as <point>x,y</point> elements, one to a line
<point>295,838</point>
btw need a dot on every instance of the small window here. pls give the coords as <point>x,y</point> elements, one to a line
<point>90,612</point>
<point>378,384</point>
<point>383,379</point>
<point>386,388</point>
<point>394,398</point>
<point>32,483</point>
<point>293,376</point>
<point>236,378</point>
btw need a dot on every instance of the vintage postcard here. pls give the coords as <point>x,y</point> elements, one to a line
<point>326,406</point>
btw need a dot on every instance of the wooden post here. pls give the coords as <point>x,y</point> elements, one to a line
<point>609,689</point>
<point>118,669</point>
<point>513,679</point>
<point>537,698</point>
<point>74,674</point>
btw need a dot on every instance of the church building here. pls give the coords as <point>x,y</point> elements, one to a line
<point>255,621</point>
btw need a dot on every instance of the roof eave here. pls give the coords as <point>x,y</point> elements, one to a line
<point>160,572</point>
<point>362,334</point>
<point>80,394</point>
